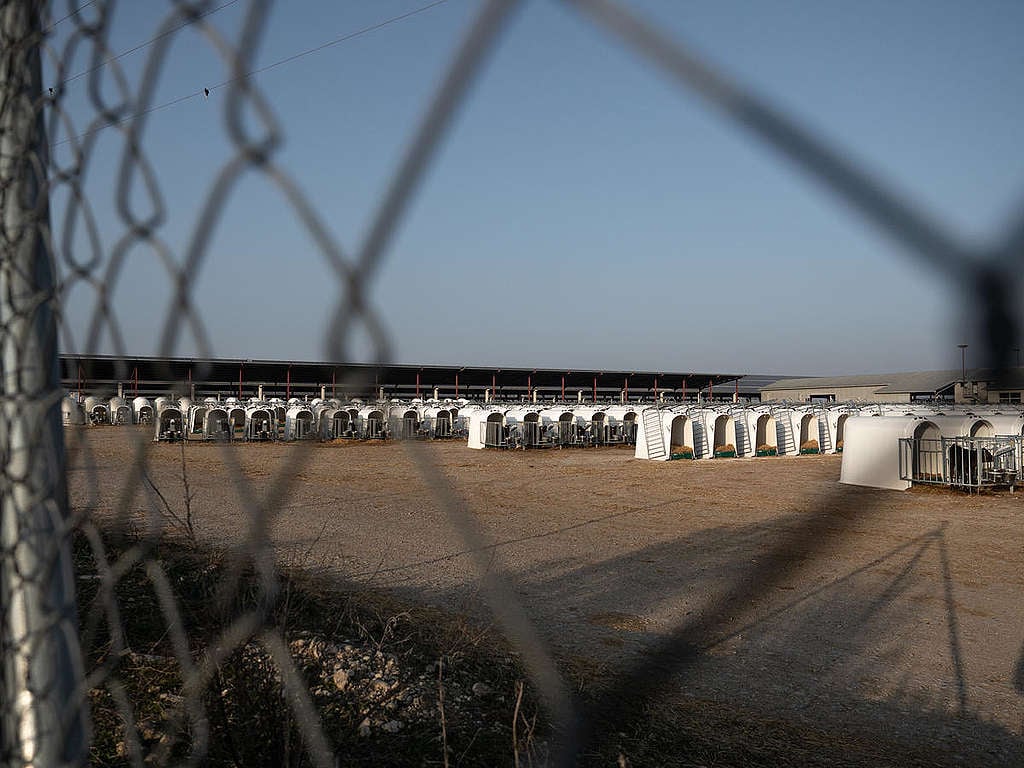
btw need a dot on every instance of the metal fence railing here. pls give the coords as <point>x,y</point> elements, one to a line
<point>48,687</point>
<point>961,462</point>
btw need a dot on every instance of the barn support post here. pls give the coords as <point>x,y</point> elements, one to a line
<point>684,389</point>
<point>595,390</point>
<point>43,713</point>
<point>625,387</point>
<point>456,386</point>
<point>494,386</point>
<point>334,382</point>
<point>711,392</point>
<point>655,388</point>
<point>417,383</point>
<point>239,382</point>
<point>287,386</point>
<point>563,388</point>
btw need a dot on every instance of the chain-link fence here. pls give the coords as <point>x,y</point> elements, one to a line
<point>69,672</point>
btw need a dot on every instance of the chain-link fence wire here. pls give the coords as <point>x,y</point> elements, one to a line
<point>45,709</point>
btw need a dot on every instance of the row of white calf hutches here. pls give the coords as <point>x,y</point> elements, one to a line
<point>532,426</point>
<point>678,432</point>
<point>707,431</point>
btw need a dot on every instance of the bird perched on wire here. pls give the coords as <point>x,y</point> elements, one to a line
<point>206,93</point>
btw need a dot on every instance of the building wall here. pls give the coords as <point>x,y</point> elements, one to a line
<point>841,394</point>
<point>974,392</point>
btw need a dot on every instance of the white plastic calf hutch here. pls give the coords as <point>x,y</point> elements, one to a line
<point>476,418</point>
<point>194,419</point>
<point>299,423</point>
<point>756,434</point>
<point>217,424</point>
<point>1006,424</point>
<point>372,423</point>
<point>796,428</point>
<point>333,423</point>
<point>487,429</point>
<point>280,411</point>
<point>170,424</point>
<point>524,427</point>
<point>142,410</point>
<point>591,425</point>
<point>831,428</point>
<point>436,422</point>
<point>558,425</point>
<point>120,411</point>
<point>713,433</point>
<point>260,423</point>
<point>71,412</point>
<point>621,424</point>
<point>871,450</point>
<point>404,422</point>
<point>663,434</point>
<point>97,411</point>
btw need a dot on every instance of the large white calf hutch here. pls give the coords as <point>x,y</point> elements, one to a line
<point>871,449</point>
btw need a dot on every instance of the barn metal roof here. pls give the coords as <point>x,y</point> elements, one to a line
<point>107,372</point>
<point>886,383</point>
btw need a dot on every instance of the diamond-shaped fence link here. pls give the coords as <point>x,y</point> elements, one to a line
<point>58,657</point>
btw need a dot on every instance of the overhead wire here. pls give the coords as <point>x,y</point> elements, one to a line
<point>65,18</point>
<point>206,90</point>
<point>140,46</point>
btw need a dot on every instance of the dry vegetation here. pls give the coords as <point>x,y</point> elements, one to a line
<point>896,644</point>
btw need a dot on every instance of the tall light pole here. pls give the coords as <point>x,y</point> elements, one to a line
<point>963,363</point>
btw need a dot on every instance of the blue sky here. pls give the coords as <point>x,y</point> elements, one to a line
<point>584,211</point>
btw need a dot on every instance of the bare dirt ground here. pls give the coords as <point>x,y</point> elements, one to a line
<point>906,622</point>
